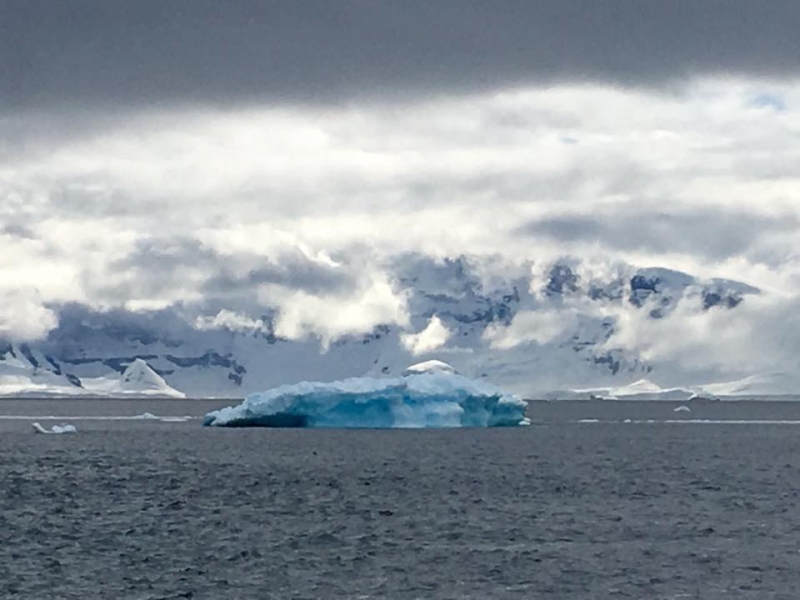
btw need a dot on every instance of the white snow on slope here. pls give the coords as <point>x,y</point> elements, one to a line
<point>765,384</point>
<point>430,366</point>
<point>20,377</point>
<point>138,379</point>
<point>643,389</point>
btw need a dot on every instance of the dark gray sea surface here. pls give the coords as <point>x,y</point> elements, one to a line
<point>707,507</point>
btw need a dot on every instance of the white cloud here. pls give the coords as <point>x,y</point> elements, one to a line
<point>434,336</point>
<point>541,326</point>
<point>331,315</point>
<point>761,335</point>
<point>228,319</point>
<point>350,187</point>
<point>23,317</point>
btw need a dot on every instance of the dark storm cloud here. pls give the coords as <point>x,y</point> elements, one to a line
<point>17,230</point>
<point>168,255</point>
<point>713,234</point>
<point>292,271</point>
<point>93,52</point>
<point>158,265</point>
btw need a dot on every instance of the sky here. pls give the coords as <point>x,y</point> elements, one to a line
<point>241,154</point>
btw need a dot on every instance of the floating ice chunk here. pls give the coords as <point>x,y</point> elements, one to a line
<point>39,429</point>
<point>64,429</point>
<point>683,408</point>
<point>422,400</point>
<point>151,417</point>
<point>55,429</point>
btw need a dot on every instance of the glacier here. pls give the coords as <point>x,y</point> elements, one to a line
<point>423,400</point>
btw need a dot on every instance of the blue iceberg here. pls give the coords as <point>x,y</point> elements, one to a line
<point>417,400</point>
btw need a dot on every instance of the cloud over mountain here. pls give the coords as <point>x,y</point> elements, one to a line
<point>275,162</point>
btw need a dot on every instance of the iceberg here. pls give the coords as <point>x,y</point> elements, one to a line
<point>432,399</point>
<point>55,429</point>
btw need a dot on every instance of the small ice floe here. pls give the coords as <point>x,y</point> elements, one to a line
<point>55,429</point>
<point>683,408</point>
<point>148,416</point>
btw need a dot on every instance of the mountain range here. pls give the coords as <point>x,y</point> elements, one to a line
<point>533,329</point>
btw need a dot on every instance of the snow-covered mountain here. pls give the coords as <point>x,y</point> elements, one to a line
<point>23,374</point>
<point>643,389</point>
<point>138,379</point>
<point>754,386</point>
<point>526,328</point>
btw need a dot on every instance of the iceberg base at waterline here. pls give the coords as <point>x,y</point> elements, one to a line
<point>414,401</point>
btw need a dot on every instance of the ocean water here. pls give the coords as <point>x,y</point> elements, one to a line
<point>579,505</point>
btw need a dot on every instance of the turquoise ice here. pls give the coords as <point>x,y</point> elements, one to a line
<point>413,401</point>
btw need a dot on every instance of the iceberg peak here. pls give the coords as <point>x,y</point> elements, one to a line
<point>429,366</point>
<point>138,373</point>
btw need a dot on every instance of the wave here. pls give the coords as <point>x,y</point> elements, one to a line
<point>142,417</point>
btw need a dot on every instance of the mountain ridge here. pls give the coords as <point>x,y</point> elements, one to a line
<point>529,333</point>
